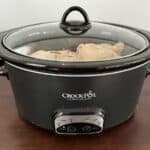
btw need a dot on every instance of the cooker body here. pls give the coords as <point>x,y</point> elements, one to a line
<point>40,95</point>
<point>72,101</point>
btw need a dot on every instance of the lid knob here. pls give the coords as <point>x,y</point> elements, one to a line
<point>75,27</point>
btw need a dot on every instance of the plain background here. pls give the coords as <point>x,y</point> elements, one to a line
<point>14,13</point>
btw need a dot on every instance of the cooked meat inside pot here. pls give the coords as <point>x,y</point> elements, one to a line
<point>87,52</point>
<point>84,52</point>
<point>41,54</point>
<point>66,55</point>
<point>62,55</point>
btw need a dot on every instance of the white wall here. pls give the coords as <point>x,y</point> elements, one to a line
<point>15,13</point>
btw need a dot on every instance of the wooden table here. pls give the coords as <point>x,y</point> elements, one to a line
<point>16,134</point>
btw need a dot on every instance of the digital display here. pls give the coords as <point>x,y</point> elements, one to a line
<point>78,128</point>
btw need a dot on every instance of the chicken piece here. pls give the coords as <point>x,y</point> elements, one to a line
<point>95,52</point>
<point>41,54</point>
<point>59,55</point>
<point>105,45</point>
<point>118,48</point>
<point>66,55</point>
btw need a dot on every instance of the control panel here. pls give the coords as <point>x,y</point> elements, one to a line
<point>79,123</point>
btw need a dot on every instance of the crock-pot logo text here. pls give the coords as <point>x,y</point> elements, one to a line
<point>80,96</point>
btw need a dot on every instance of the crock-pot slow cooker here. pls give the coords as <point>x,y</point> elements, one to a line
<point>74,97</point>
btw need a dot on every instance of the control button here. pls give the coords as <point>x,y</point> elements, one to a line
<point>95,128</point>
<point>86,128</point>
<point>63,128</point>
<point>71,129</point>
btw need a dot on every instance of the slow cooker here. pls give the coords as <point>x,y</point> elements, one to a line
<point>74,97</point>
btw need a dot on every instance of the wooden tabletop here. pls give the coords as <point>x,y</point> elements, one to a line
<point>17,134</point>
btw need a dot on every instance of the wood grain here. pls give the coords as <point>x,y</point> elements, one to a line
<point>16,134</point>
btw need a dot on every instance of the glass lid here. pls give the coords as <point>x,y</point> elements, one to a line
<point>75,41</point>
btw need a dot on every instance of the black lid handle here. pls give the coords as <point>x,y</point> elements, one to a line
<point>75,27</point>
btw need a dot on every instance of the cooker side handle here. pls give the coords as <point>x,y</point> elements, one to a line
<point>148,69</point>
<point>3,70</point>
<point>147,34</point>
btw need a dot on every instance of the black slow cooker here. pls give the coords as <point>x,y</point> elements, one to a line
<point>74,97</point>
